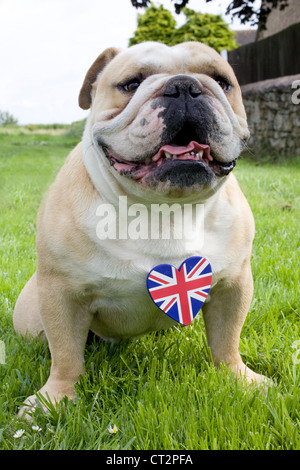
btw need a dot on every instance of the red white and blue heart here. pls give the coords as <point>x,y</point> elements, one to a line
<point>180,293</point>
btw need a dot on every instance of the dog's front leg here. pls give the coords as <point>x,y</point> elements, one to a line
<point>66,323</point>
<point>224,316</point>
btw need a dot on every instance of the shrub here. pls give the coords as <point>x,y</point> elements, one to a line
<point>7,119</point>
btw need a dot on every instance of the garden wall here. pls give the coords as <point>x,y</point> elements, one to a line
<point>273,118</point>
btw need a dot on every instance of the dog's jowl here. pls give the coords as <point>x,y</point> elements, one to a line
<point>166,126</point>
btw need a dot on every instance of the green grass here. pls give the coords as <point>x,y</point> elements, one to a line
<point>161,391</point>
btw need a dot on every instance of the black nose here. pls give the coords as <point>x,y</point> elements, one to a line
<point>182,86</point>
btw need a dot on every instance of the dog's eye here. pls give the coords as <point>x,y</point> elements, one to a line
<point>224,84</point>
<point>132,85</point>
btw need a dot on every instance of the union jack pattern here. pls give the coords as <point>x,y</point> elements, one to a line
<point>181,293</point>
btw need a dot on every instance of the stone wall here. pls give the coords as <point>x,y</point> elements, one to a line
<point>273,119</point>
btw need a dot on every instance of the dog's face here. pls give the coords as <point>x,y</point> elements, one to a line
<point>168,118</point>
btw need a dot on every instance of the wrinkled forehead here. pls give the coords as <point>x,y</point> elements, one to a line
<point>158,57</point>
<point>150,58</point>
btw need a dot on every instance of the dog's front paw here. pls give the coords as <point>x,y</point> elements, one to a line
<point>47,399</point>
<point>28,408</point>
<point>252,378</point>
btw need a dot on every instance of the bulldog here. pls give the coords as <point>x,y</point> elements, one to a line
<point>166,125</point>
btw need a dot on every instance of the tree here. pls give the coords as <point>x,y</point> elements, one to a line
<point>7,119</point>
<point>246,12</point>
<point>242,9</point>
<point>158,24</point>
<point>206,28</point>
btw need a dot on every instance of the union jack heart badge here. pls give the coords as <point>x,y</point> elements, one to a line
<point>180,293</point>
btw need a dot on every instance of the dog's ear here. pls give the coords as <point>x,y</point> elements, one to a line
<point>85,98</point>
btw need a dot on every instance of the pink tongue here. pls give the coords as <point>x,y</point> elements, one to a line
<point>180,150</point>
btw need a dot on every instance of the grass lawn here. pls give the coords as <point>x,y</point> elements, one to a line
<point>161,391</point>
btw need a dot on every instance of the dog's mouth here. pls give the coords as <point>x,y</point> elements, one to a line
<point>170,154</point>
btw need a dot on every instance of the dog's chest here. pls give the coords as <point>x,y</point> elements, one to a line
<point>120,301</point>
<point>116,276</point>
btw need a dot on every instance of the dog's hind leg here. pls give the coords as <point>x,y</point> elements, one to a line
<point>26,319</point>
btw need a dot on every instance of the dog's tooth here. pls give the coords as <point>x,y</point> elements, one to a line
<point>200,153</point>
<point>167,155</point>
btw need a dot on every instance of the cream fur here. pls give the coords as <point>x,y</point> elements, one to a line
<point>84,283</point>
